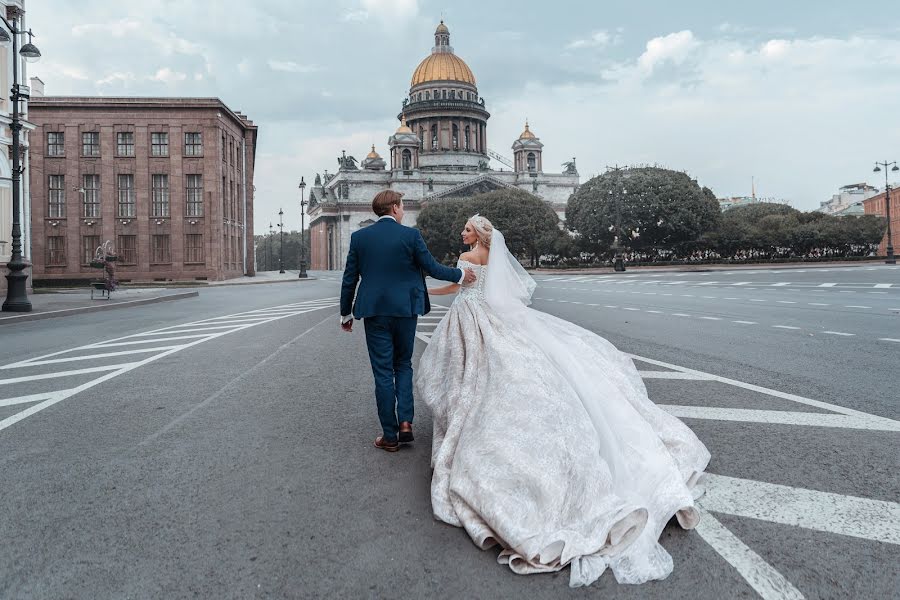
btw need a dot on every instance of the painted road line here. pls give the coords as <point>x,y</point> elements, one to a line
<point>781,417</point>
<point>827,284</point>
<point>757,300</point>
<point>746,322</point>
<point>785,327</point>
<point>680,315</point>
<point>838,333</point>
<point>876,520</point>
<point>888,340</point>
<point>27,399</point>
<point>58,374</point>
<point>671,375</point>
<point>855,306</point>
<point>785,302</point>
<point>760,575</point>
<point>655,312</point>
<point>783,284</point>
<point>629,308</point>
<point>817,304</point>
<point>883,285</point>
<point>53,361</point>
<point>153,341</point>
<point>609,306</point>
<point>711,318</point>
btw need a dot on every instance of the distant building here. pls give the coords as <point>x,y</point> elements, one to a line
<point>876,206</point>
<point>13,9</point>
<point>168,181</point>
<point>439,152</point>
<point>848,200</point>
<point>726,203</point>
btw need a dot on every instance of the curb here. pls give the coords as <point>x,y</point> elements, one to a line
<point>65,312</point>
<point>220,285</point>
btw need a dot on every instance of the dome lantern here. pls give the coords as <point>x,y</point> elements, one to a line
<point>442,64</point>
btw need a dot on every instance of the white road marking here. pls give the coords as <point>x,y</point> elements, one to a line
<point>781,417</point>
<point>762,577</point>
<point>711,318</point>
<point>680,315</point>
<point>785,327</point>
<point>153,341</point>
<point>609,306</point>
<point>785,302</point>
<point>629,308</point>
<point>115,370</point>
<point>746,322</point>
<point>781,284</point>
<point>27,399</point>
<point>35,363</point>
<point>656,312</point>
<point>827,284</point>
<point>883,285</point>
<point>757,300</point>
<point>838,333</point>
<point>888,340</point>
<point>817,304</point>
<point>671,375</point>
<point>854,306</point>
<point>875,520</point>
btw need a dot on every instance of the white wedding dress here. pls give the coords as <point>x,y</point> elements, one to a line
<point>545,442</point>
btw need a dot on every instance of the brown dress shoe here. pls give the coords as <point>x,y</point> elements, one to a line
<point>387,446</point>
<point>406,434</point>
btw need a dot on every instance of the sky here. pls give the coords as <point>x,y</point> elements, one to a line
<point>800,97</point>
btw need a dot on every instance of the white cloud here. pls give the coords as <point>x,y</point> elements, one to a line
<point>597,39</point>
<point>389,10</point>
<point>356,15</point>
<point>167,75</point>
<point>117,78</point>
<point>116,29</point>
<point>289,66</point>
<point>674,47</point>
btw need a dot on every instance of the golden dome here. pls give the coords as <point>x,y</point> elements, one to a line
<point>402,129</point>
<point>373,154</point>
<point>442,66</point>
<point>526,135</point>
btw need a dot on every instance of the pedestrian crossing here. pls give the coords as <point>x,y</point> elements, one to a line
<point>42,381</point>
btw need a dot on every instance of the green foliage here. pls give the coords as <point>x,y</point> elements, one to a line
<point>658,208</point>
<point>530,226</point>
<point>268,250</point>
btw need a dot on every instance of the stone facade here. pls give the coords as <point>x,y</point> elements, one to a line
<point>168,181</point>
<point>876,206</point>
<point>439,152</point>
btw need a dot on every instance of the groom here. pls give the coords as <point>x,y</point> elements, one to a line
<point>391,260</point>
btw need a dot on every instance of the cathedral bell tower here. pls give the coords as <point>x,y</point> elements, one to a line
<point>527,152</point>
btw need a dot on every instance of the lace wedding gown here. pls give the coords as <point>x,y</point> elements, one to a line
<point>546,444</point>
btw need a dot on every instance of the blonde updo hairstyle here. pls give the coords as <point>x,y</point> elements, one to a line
<point>483,229</point>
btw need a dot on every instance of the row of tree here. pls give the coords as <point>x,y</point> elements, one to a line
<point>649,214</point>
<point>269,251</point>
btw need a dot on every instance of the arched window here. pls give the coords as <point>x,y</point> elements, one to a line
<point>453,94</point>
<point>443,94</point>
<point>434,138</point>
<point>427,95</point>
<point>532,163</point>
<point>421,138</point>
<point>455,137</point>
<point>466,138</point>
<point>407,160</point>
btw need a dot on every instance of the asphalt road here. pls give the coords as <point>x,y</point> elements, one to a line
<point>220,446</point>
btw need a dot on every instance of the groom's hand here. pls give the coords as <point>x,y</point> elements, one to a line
<point>469,277</point>
<point>348,326</point>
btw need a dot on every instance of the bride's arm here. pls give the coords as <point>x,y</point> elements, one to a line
<point>445,290</point>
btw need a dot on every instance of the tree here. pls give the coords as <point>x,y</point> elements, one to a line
<point>657,207</point>
<point>529,224</point>
<point>268,250</point>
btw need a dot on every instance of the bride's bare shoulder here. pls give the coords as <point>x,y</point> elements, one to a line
<point>473,257</point>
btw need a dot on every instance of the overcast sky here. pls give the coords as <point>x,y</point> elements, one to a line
<point>804,96</point>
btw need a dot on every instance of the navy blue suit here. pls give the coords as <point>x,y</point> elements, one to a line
<point>391,260</point>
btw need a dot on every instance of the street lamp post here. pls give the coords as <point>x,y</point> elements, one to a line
<point>281,247</point>
<point>269,247</point>
<point>890,260</point>
<point>303,204</point>
<point>16,290</point>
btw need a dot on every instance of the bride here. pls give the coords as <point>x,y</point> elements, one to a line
<point>545,442</point>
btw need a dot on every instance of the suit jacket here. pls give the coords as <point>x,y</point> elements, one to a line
<point>392,260</point>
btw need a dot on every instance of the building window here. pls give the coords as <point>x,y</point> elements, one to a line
<point>159,196</point>
<point>159,144</point>
<point>127,248</point>
<point>455,137</point>
<point>407,160</point>
<point>532,163</point>
<point>56,196</point>
<point>91,186</point>
<point>421,138</point>
<point>56,251</point>
<point>159,249</point>
<point>127,204</point>
<point>427,95</point>
<point>193,248</point>
<point>193,144</point>
<point>56,143</point>
<point>89,245</point>
<point>125,143</point>
<point>90,143</point>
<point>468,132</point>
<point>434,137</point>
<point>194,196</point>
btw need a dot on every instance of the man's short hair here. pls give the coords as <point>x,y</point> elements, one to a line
<point>381,204</point>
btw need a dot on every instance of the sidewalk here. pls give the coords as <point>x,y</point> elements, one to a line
<point>62,303</point>
<point>263,277</point>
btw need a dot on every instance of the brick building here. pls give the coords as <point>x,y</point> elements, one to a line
<point>876,206</point>
<point>168,181</point>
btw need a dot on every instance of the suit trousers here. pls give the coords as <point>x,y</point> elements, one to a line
<point>390,341</point>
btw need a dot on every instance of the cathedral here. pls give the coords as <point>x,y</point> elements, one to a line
<point>439,152</point>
